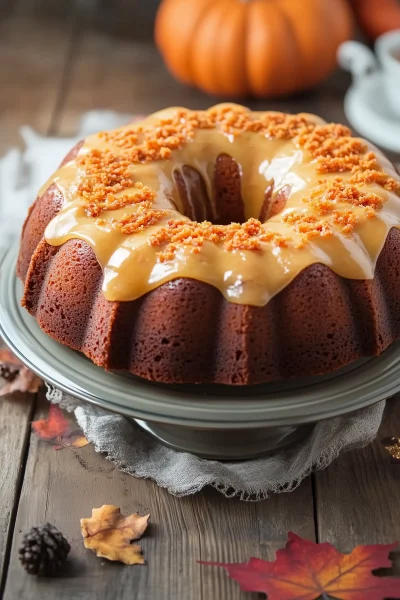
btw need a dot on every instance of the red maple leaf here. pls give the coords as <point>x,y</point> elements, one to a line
<point>56,429</point>
<point>304,570</point>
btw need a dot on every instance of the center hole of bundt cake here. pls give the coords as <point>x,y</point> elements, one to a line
<point>226,204</point>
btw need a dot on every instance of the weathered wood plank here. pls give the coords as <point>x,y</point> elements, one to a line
<point>15,415</point>
<point>46,11</point>
<point>61,487</point>
<point>117,74</point>
<point>133,18</point>
<point>233,531</point>
<point>122,76</point>
<point>31,65</point>
<point>358,500</point>
<point>33,57</point>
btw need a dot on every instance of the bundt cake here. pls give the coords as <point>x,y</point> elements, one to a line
<point>219,246</point>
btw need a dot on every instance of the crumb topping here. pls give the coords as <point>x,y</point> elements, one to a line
<point>308,225</point>
<point>326,200</point>
<point>107,175</point>
<point>328,194</point>
<point>144,217</point>
<point>248,236</point>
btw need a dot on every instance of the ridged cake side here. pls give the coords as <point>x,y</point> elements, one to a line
<point>186,332</point>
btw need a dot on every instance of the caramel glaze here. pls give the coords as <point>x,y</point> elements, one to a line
<point>294,216</point>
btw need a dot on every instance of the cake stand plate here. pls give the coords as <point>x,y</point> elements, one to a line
<point>216,421</point>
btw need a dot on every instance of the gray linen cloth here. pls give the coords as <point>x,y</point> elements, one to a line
<point>136,452</point>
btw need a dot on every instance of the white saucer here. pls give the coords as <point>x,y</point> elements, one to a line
<point>367,110</point>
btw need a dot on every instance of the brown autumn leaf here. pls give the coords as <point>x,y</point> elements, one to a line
<point>304,570</point>
<point>56,429</point>
<point>75,439</point>
<point>18,377</point>
<point>109,534</point>
<point>392,447</point>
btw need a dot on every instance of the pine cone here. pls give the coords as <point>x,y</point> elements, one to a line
<point>44,550</point>
<point>7,372</point>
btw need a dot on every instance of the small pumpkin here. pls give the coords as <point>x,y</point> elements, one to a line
<point>377,17</point>
<point>252,47</point>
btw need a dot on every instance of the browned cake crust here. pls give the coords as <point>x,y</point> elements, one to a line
<point>186,332</point>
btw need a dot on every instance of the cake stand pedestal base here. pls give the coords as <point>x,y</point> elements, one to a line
<point>223,444</point>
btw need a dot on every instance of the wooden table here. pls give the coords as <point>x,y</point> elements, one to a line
<point>51,74</point>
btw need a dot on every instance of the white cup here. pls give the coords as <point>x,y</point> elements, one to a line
<point>387,49</point>
<point>362,63</point>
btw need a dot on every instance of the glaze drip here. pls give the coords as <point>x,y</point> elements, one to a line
<point>309,193</point>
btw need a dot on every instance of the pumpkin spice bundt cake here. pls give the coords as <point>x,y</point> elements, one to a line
<point>219,246</point>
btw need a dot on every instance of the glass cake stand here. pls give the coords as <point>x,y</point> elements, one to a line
<point>215,421</point>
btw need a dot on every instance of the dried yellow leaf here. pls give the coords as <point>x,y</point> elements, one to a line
<point>109,534</point>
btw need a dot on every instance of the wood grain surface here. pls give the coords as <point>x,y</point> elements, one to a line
<point>15,415</point>
<point>63,486</point>
<point>58,60</point>
<point>358,496</point>
<point>33,59</point>
<point>29,94</point>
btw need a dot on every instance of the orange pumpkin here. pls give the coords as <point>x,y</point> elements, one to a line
<point>252,47</point>
<point>376,17</point>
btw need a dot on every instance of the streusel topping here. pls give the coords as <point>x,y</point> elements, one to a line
<point>121,196</point>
